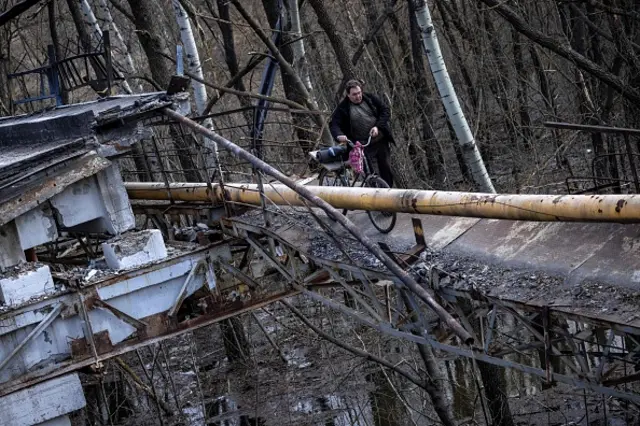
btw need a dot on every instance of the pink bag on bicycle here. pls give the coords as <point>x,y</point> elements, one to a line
<point>356,158</point>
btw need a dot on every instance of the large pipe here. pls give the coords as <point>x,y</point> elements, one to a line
<point>568,208</point>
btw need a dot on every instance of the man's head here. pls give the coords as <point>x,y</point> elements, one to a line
<point>354,91</point>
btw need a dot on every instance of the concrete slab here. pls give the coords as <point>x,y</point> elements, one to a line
<point>30,281</point>
<point>36,227</point>
<point>116,200</point>
<point>10,251</point>
<point>81,204</point>
<point>556,247</point>
<point>96,204</point>
<point>43,402</point>
<point>134,249</point>
<point>617,261</point>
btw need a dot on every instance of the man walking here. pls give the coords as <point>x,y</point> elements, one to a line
<point>359,116</point>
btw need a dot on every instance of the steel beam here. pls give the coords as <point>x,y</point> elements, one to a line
<point>46,321</point>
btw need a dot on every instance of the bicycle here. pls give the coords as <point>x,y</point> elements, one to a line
<point>339,173</point>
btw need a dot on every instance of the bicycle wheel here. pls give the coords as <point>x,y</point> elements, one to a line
<point>383,221</point>
<point>334,178</point>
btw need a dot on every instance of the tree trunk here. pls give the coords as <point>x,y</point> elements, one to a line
<point>336,40</point>
<point>450,100</point>
<point>433,151</point>
<point>495,389</point>
<point>434,379</point>
<point>560,48</point>
<point>299,53</point>
<point>85,33</point>
<point>211,160</point>
<point>522,93</point>
<point>152,40</point>
<point>155,48</point>
<point>575,32</point>
<point>230,56</point>
<point>55,40</point>
<point>120,45</point>
<point>498,79</point>
<point>380,44</point>
<point>300,122</point>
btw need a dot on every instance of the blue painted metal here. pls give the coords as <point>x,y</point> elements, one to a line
<point>52,75</point>
<point>48,72</point>
<point>266,86</point>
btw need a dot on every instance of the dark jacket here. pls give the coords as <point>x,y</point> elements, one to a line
<point>341,120</point>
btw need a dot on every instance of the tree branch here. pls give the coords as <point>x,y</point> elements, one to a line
<point>364,354</point>
<point>631,93</point>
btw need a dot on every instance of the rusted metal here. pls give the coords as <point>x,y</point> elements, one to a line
<point>591,128</point>
<point>182,293</point>
<point>84,348</point>
<point>139,325</point>
<point>86,326</point>
<point>544,208</point>
<point>241,276</point>
<point>159,328</point>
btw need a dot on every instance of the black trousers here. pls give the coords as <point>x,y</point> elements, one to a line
<point>380,153</point>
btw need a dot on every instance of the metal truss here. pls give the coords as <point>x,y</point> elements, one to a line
<point>554,343</point>
<point>559,345</point>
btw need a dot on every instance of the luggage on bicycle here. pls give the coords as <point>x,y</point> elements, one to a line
<point>332,154</point>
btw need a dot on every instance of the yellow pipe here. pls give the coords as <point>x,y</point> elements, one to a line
<point>568,208</point>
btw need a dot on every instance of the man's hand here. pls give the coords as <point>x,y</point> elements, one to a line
<point>342,138</point>
<point>373,132</point>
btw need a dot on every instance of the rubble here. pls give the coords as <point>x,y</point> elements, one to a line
<point>24,282</point>
<point>134,249</point>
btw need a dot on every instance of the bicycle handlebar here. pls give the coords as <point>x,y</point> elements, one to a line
<point>364,146</point>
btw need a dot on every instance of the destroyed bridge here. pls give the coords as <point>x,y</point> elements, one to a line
<point>92,264</point>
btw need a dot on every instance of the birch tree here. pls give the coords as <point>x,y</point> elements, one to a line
<point>450,99</point>
<point>95,32</point>
<point>121,46</point>
<point>299,54</point>
<point>195,68</point>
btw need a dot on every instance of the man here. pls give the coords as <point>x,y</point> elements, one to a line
<point>359,115</point>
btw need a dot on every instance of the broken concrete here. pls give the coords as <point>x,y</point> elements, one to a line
<point>10,251</point>
<point>97,204</point>
<point>116,199</point>
<point>36,227</point>
<point>23,283</point>
<point>134,249</point>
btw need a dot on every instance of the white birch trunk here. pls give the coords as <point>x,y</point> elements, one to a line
<point>449,98</point>
<point>199,90</point>
<point>120,44</point>
<point>92,23</point>
<point>299,54</point>
<point>95,31</point>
